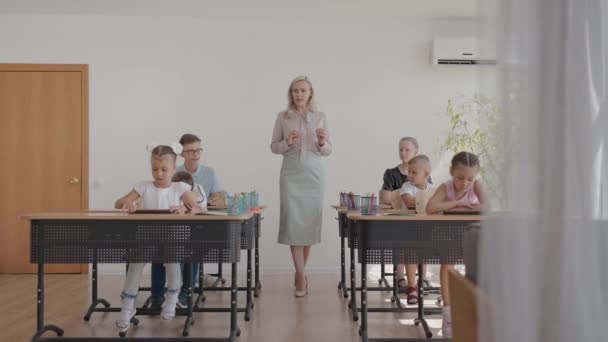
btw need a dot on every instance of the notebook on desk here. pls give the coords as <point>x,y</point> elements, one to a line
<point>398,214</point>
<point>462,212</point>
<point>214,213</point>
<point>152,211</point>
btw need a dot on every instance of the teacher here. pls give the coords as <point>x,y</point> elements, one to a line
<point>301,136</point>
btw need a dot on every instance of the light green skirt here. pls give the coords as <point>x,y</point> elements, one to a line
<point>301,186</point>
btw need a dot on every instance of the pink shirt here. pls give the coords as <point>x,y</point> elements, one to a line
<point>306,124</point>
<point>469,198</point>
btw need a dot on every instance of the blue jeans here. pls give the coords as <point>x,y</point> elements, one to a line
<point>159,277</point>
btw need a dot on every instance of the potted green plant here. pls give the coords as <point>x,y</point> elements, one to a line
<point>475,126</point>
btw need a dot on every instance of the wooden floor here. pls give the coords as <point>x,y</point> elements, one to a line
<point>323,315</point>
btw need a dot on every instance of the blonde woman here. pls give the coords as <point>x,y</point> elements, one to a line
<point>301,136</point>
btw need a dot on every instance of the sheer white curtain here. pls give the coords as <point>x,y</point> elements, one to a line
<point>545,266</point>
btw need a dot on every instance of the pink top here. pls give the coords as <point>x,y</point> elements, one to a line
<point>469,198</point>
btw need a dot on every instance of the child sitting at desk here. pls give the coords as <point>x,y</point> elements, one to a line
<point>463,190</point>
<point>185,177</point>
<point>393,180</point>
<point>419,171</point>
<point>159,193</point>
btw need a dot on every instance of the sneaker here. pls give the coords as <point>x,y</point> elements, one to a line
<point>182,299</point>
<point>412,295</point>
<point>446,325</point>
<point>127,312</point>
<point>168,311</point>
<point>156,302</point>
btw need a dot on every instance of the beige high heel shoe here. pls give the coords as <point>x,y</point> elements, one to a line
<point>302,293</point>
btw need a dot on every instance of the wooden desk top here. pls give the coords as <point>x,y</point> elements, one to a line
<point>343,207</point>
<point>122,215</point>
<point>382,211</point>
<point>414,217</point>
<point>258,209</point>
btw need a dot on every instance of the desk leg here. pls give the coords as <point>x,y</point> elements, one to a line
<point>342,283</point>
<point>382,281</point>
<point>258,285</point>
<point>40,327</point>
<point>420,319</point>
<point>201,295</point>
<point>234,329</point>
<point>94,300</point>
<point>249,301</point>
<point>363,328</point>
<point>395,299</point>
<point>353,286</point>
<point>189,319</point>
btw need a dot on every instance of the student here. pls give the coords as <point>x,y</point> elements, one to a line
<point>206,178</point>
<point>419,170</point>
<point>159,193</point>
<point>395,177</point>
<point>183,176</point>
<point>393,180</point>
<point>463,190</point>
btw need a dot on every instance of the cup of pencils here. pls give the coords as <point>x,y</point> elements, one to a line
<point>255,199</point>
<point>235,204</point>
<point>369,205</point>
<point>353,202</point>
<point>343,197</point>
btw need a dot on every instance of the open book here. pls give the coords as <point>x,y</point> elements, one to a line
<point>152,211</point>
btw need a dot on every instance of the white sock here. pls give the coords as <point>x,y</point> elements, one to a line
<point>445,311</point>
<point>446,325</point>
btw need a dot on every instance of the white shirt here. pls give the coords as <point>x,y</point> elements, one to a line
<point>412,190</point>
<point>160,198</point>
<point>201,198</point>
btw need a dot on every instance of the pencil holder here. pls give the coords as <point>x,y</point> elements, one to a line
<point>343,196</point>
<point>255,199</point>
<point>246,201</point>
<point>353,202</point>
<point>369,205</point>
<point>235,205</point>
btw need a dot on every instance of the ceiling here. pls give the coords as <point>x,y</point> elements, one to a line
<point>406,8</point>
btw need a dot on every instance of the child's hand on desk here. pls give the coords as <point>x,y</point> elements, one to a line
<point>178,209</point>
<point>215,200</point>
<point>197,210</point>
<point>463,202</point>
<point>321,136</point>
<point>125,205</point>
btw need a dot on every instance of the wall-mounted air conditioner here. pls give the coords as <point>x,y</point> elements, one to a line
<point>460,50</point>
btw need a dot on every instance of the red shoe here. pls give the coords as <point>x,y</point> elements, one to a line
<point>412,295</point>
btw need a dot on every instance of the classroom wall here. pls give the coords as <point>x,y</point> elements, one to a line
<point>224,78</point>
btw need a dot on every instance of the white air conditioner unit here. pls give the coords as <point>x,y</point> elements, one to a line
<point>460,50</point>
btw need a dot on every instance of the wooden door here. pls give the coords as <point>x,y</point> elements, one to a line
<point>44,147</point>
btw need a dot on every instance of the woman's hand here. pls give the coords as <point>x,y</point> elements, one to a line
<point>321,136</point>
<point>294,137</point>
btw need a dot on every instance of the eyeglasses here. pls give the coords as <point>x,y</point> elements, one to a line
<point>192,152</point>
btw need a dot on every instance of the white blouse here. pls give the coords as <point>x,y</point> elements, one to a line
<point>307,125</point>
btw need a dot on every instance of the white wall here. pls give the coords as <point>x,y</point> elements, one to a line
<point>224,78</point>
